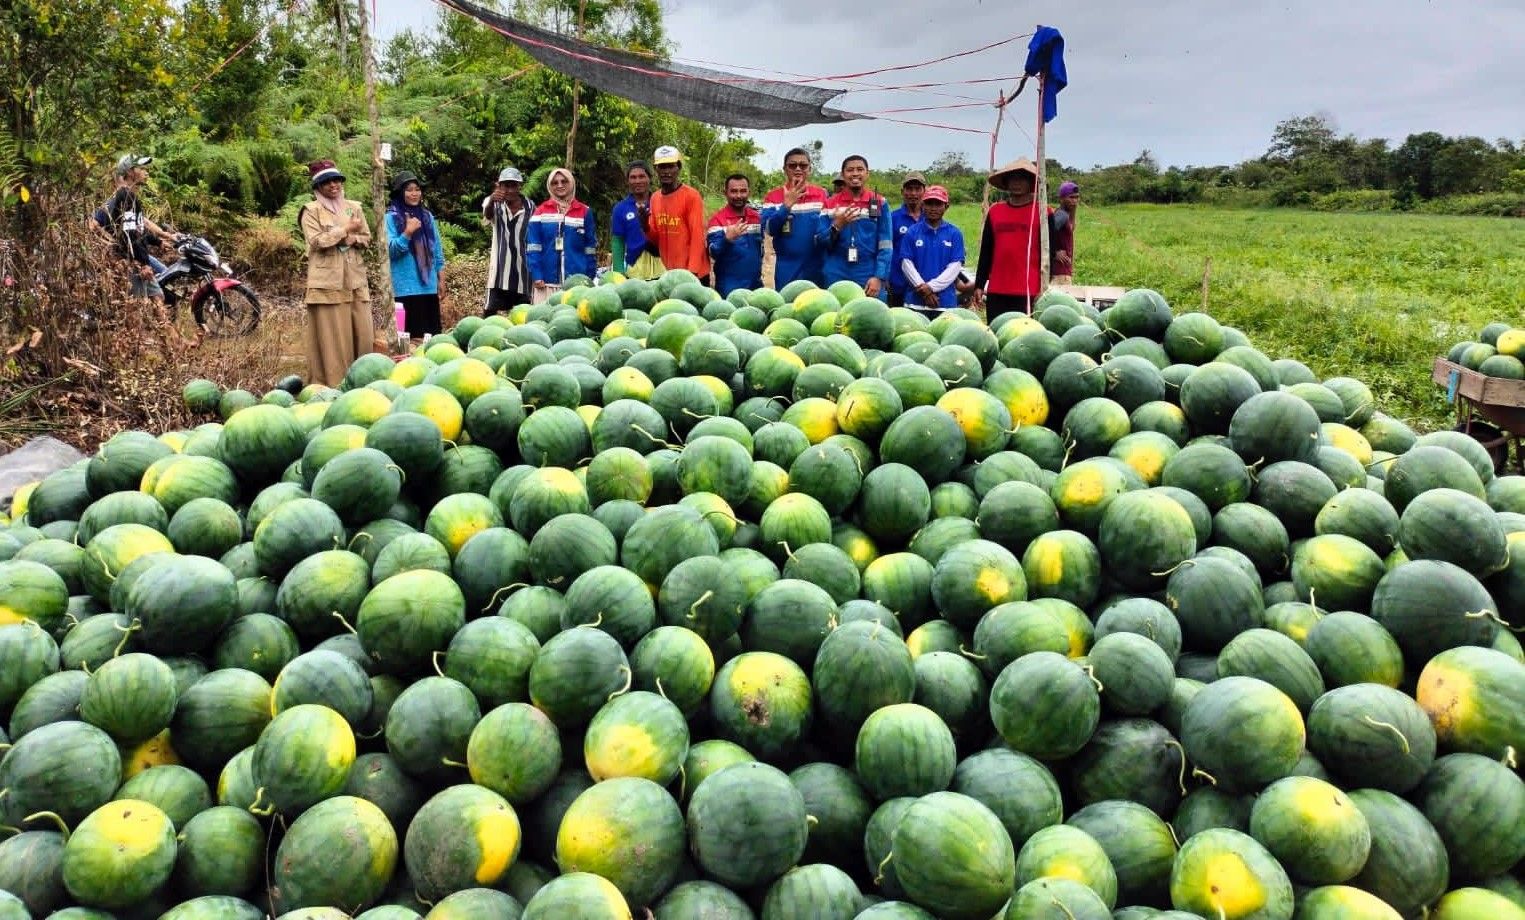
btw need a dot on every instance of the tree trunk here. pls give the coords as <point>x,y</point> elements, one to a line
<point>381,280</point>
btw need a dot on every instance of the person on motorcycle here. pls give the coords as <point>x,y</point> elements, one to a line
<point>131,230</point>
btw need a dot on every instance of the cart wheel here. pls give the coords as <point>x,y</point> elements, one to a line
<point>1494,440</point>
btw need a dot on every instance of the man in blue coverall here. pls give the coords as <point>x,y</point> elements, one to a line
<point>854,233</point>
<point>791,214</point>
<point>735,239</point>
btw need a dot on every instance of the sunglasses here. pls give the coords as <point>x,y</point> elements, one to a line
<point>796,165</point>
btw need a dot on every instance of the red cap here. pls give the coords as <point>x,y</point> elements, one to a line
<point>935,193</point>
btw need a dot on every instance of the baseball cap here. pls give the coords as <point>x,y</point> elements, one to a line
<point>935,193</point>
<point>915,177</point>
<point>130,162</point>
<point>666,154</point>
<point>1069,188</point>
<point>511,174</point>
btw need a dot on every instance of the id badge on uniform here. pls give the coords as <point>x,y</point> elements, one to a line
<point>788,224</point>
<point>852,253</point>
<point>560,242</point>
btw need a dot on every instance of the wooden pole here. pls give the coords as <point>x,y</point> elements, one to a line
<point>582,7</point>
<point>1040,194</point>
<point>381,280</point>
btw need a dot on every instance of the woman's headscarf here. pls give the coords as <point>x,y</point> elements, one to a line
<point>426,241</point>
<point>562,204</point>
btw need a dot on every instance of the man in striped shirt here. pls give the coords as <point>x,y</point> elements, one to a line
<point>507,212</point>
<point>735,239</point>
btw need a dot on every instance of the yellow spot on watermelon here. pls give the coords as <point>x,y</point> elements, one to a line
<point>623,750</point>
<point>1349,440</point>
<point>339,742</point>
<point>1047,562</point>
<point>1083,489</point>
<point>175,439</point>
<point>1065,868</point>
<point>992,584</point>
<point>561,480</point>
<point>1231,887</point>
<point>1512,343</point>
<point>1446,695</point>
<point>133,827</point>
<point>754,673</point>
<point>497,836</point>
<point>23,496</point>
<point>155,752</point>
<point>9,616</point>
<point>1148,463</point>
<point>588,414</point>
<point>1328,558</point>
<point>1321,804</point>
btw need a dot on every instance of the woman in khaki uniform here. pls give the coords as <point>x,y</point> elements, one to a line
<point>339,328</point>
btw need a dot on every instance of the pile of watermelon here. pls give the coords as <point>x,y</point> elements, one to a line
<point>1498,351</point>
<point>647,602</point>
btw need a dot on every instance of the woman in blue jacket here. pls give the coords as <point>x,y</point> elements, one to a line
<point>562,236</point>
<point>416,256</point>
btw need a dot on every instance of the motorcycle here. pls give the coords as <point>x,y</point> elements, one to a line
<point>220,303</point>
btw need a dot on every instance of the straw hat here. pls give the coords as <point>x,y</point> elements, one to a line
<point>1021,164</point>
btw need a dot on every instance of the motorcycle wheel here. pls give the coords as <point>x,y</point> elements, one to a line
<point>232,312</point>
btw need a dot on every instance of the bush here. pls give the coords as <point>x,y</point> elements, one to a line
<point>1489,204</point>
<point>1355,200</point>
<point>269,257</point>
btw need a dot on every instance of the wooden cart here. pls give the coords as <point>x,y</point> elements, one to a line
<point>1490,409</point>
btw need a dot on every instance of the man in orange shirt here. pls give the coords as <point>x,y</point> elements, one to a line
<point>675,218</point>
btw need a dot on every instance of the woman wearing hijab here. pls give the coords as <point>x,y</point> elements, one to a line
<point>338,298</point>
<point>413,247</point>
<point>562,236</point>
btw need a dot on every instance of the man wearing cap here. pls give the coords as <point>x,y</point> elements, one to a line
<point>1009,276</point>
<point>507,212</point>
<point>131,232</point>
<point>735,239</point>
<point>854,232</point>
<point>901,220</point>
<point>1061,234</point>
<point>675,220</point>
<point>932,255</point>
<point>791,214</point>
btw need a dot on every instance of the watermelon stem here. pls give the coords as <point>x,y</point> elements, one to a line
<point>629,677</point>
<point>653,438</point>
<point>494,599</point>
<point>1181,779</point>
<point>254,807</point>
<point>1490,615</point>
<point>452,763</point>
<point>345,623</point>
<point>434,660</point>
<point>1091,673</point>
<point>1390,727</point>
<point>1170,571</point>
<point>48,814</point>
<point>693,609</point>
<point>879,879</point>
<point>127,632</point>
<point>1198,771</point>
<point>976,656</point>
<point>660,691</point>
<point>1509,758</point>
<point>400,472</point>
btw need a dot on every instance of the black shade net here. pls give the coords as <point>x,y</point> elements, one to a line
<point>710,96</point>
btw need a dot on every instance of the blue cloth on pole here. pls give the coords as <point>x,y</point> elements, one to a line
<point>1045,55</point>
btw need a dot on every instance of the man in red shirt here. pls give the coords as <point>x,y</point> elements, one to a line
<point>1010,273</point>
<point>675,219</point>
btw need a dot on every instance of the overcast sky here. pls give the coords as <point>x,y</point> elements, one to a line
<point>1195,81</point>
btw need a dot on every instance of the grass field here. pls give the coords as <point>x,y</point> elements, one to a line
<point>1374,296</point>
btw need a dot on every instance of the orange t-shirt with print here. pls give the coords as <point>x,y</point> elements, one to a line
<point>676,225</point>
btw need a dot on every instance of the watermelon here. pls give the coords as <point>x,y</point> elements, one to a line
<point>302,757</point>
<point>628,830</point>
<point>841,808</point>
<point>860,668</point>
<point>340,851</point>
<point>119,854</point>
<point>904,749</point>
<point>1313,829</point>
<point>577,895</point>
<point>1065,851</point>
<point>952,854</point>
<point>1473,697</point>
<point>1134,760</point>
<point>464,836</point>
<point>1045,705</point>
<point>1407,866</point>
<point>1477,806</point>
<point>747,824</point>
<point>523,729</point>
<point>1243,732</point>
<point>1226,873</point>
<point>221,851</point>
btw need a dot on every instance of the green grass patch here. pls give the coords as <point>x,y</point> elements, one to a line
<point>1373,296</point>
